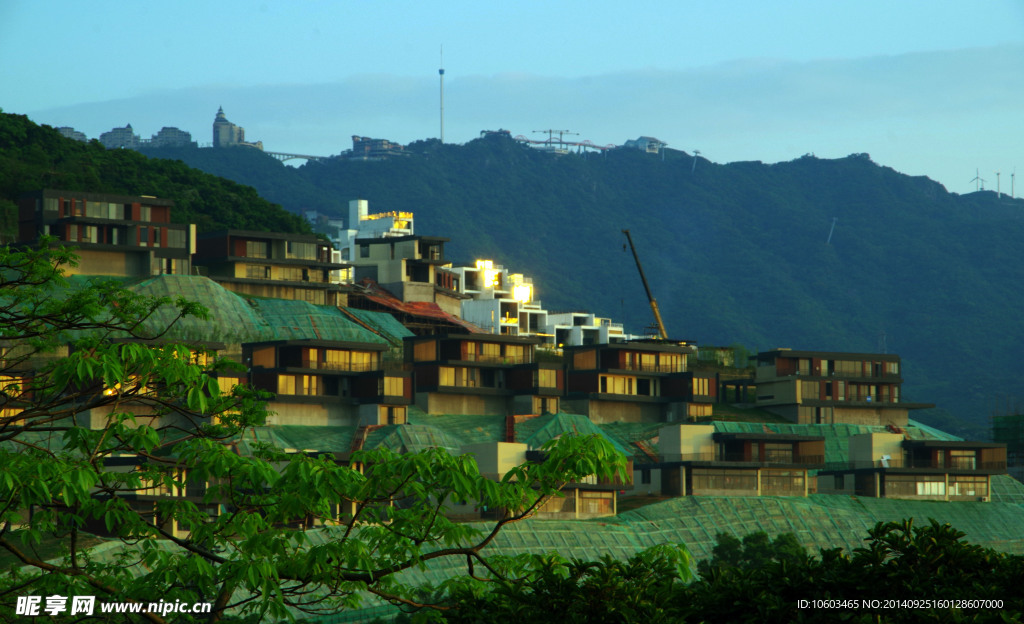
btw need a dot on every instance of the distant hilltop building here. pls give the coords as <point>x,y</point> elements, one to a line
<point>227,134</point>
<point>647,144</point>
<point>172,137</point>
<point>119,138</point>
<point>125,138</point>
<point>367,148</point>
<point>71,133</point>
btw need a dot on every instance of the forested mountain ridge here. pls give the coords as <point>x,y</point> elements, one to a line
<point>34,157</point>
<point>735,253</point>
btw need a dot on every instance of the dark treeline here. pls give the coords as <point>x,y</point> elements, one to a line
<point>34,157</point>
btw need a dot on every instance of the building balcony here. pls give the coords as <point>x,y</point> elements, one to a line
<point>497,359</point>
<point>653,368</point>
<point>956,464</point>
<point>741,460</point>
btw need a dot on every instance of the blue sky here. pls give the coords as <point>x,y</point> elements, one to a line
<point>928,88</point>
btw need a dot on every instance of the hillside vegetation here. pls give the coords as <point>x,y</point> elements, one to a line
<point>34,157</point>
<point>735,253</point>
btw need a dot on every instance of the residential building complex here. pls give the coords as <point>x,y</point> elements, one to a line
<point>820,387</point>
<point>382,343</point>
<point>120,138</point>
<point>325,382</point>
<point>267,264</point>
<point>115,235</point>
<point>889,465</point>
<point>635,382</point>
<point>697,460</point>
<point>481,374</point>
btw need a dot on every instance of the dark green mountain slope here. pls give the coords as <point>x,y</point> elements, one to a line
<point>734,253</point>
<point>33,157</point>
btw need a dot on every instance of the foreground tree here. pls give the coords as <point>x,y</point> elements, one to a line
<point>100,422</point>
<point>904,574</point>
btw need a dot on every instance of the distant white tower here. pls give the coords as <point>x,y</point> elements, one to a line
<point>440,72</point>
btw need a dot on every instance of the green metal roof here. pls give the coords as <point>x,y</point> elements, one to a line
<point>327,439</point>
<point>535,432</point>
<point>234,319</point>
<point>464,429</point>
<point>416,438</point>
<point>382,323</point>
<point>300,320</point>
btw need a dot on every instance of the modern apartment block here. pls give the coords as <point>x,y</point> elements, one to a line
<point>635,382</point>
<point>888,465</point>
<point>413,268</point>
<point>696,460</point>
<point>268,264</point>
<point>482,374</point>
<point>114,235</point>
<point>320,382</point>
<point>501,302</point>
<point>820,387</point>
<point>364,224</point>
<point>582,328</point>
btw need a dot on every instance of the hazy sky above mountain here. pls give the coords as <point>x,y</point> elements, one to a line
<point>928,88</point>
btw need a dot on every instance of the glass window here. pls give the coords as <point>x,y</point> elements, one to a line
<point>335,359</point>
<point>963,459</point>
<point>177,239</point>
<point>363,360</point>
<point>446,376</point>
<point>301,251</point>
<point>547,378</point>
<point>256,249</point>
<point>968,486</point>
<point>393,386</point>
<point>290,274</point>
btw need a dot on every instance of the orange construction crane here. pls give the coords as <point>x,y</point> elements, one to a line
<point>650,297</point>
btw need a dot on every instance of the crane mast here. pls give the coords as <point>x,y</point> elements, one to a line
<point>650,297</point>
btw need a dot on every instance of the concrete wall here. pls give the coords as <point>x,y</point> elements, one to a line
<point>645,489</point>
<point>870,447</point>
<point>414,291</point>
<point>678,440</point>
<point>495,459</point>
<point>530,404</point>
<point>315,414</point>
<point>451,305</point>
<point>95,262</point>
<point>603,412</point>
<point>465,404</point>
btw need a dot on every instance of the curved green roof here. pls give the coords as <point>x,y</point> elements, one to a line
<point>234,319</point>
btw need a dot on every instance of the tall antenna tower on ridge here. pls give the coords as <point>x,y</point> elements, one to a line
<point>440,72</point>
<point>999,193</point>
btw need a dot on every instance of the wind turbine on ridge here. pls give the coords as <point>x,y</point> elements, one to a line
<point>979,182</point>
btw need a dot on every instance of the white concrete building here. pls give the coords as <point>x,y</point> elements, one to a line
<point>362,224</point>
<point>503,302</point>
<point>583,328</point>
